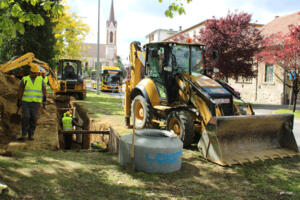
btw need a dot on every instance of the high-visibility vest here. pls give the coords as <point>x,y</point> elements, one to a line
<point>46,80</point>
<point>33,91</point>
<point>67,123</point>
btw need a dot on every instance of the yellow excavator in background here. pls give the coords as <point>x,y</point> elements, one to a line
<point>29,59</point>
<point>62,85</point>
<point>169,88</point>
<point>111,79</point>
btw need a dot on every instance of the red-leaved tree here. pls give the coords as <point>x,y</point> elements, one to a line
<point>235,39</point>
<point>284,51</point>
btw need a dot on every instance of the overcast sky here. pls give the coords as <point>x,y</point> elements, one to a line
<point>137,18</point>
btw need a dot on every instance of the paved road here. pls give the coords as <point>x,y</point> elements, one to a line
<point>119,94</point>
<point>269,109</point>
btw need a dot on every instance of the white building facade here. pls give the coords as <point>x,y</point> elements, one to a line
<point>159,35</point>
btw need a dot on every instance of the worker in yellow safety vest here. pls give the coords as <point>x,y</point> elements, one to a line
<point>68,122</point>
<point>67,126</point>
<point>32,91</point>
<point>45,80</point>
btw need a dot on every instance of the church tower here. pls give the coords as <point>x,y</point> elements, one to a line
<point>111,36</point>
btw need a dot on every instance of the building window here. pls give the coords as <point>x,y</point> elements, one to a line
<point>111,39</point>
<point>269,73</point>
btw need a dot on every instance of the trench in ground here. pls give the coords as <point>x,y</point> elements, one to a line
<point>80,141</point>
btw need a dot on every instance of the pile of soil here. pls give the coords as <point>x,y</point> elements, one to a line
<point>46,131</point>
<point>8,99</point>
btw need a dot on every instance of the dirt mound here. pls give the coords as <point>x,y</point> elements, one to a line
<point>46,132</point>
<point>8,98</point>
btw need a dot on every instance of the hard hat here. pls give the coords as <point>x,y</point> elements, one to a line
<point>43,72</point>
<point>68,113</point>
<point>35,68</point>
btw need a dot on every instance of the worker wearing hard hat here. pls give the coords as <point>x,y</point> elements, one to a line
<point>45,80</point>
<point>32,92</point>
<point>68,122</point>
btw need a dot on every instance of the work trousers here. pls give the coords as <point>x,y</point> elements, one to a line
<point>30,111</point>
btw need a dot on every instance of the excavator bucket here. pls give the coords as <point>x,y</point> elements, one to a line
<point>232,140</point>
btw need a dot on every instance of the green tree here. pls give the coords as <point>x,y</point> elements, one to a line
<point>176,6</point>
<point>121,66</point>
<point>70,33</point>
<point>14,18</point>
<point>29,29</point>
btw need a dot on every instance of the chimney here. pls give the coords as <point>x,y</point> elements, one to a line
<point>180,28</point>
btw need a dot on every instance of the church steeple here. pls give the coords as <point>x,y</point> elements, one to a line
<point>111,37</point>
<point>112,15</point>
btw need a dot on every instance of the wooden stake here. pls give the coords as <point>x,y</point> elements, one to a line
<point>132,143</point>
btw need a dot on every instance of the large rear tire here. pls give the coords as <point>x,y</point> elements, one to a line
<point>182,124</point>
<point>142,112</point>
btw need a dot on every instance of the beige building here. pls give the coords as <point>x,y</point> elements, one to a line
<point>193,32</point>
<point>108,51</point>
<point>268,87</point>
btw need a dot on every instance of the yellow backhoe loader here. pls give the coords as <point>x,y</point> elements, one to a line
<point>72,85</point>
<point>169,89</point>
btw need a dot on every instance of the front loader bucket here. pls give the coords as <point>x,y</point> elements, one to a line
<point>232,140</point>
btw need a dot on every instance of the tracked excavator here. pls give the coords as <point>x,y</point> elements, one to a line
<point>169,88</point>
<point>64,85</point>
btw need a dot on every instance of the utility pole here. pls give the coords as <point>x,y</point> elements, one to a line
<point>98,51</point>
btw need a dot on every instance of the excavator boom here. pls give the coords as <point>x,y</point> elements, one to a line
<point>15,63</point>
<point>29,59</point>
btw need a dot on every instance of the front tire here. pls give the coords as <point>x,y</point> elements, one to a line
<point>140,108</point>
<point>181,123</point>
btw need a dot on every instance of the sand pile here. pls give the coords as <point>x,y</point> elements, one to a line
<point>8,98</point>
<point>46,131</point>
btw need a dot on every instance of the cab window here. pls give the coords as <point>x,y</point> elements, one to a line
<point>154,64</point>
<point>180,58</point>
<point>196,61</point>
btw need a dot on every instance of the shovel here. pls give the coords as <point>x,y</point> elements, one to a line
<point>15,118</point>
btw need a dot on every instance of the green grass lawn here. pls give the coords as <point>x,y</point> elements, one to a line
<point>60,175</point>
<point>296,113</point>
<point>57,175</point>
<point>107,108</point>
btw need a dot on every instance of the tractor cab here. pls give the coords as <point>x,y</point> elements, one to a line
<point>69,75</point>
<point>164,61</point>
<point>69,69</point>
